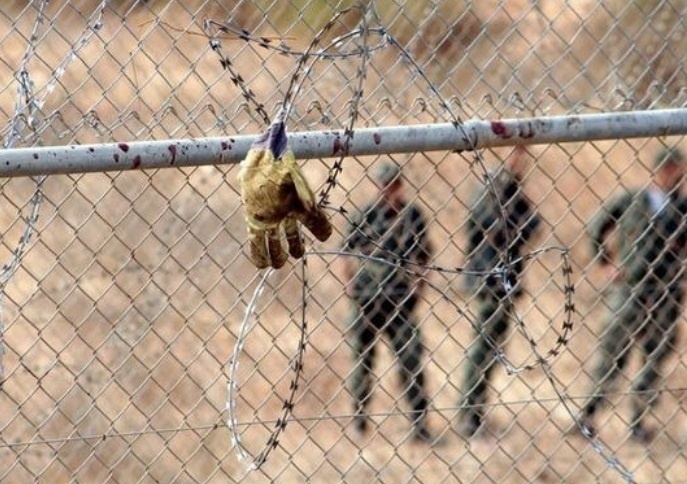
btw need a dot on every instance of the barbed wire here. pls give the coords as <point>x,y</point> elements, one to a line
<point>486,105</point>
<point>287,408</point>
<point>27,114</point>
<point>292,91</point>
<point>506,260</point>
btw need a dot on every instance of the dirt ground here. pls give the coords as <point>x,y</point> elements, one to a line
<point>121,322</point>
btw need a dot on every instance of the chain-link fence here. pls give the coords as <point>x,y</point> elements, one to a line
<point>139,343</point>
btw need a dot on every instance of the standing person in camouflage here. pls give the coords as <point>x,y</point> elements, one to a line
<point>497,229</point>
<point>384,294</point>
<point>647,269</point>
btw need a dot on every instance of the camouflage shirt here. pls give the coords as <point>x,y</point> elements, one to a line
<point>497,228</point>
<point>382,232</point>
<point>651,241</point>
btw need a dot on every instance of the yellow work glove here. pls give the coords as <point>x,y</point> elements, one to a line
<point>275,194</point>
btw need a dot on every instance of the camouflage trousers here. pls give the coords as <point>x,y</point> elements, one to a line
<point>383,317</point>
<point>493,316</point>
<point>647,319</point>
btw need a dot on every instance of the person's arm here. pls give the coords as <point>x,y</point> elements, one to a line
<point>418,247</point>
<point>527,219</point>
<point>426,250</point>
<point>680,244</point>
<point>481,220</point>
<point>346,266</point>
<point>605,221</point>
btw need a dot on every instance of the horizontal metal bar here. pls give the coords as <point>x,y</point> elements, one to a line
<point>143,155</point>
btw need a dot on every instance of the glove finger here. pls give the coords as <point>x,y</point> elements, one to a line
<point>275,249</point>
<point>312,216</point>
<point>293,237</point>
<point>317,223</point>
<point>258,249</point>
<point>303,190</point>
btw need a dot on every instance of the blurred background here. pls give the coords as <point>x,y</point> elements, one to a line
<point>124,293</point>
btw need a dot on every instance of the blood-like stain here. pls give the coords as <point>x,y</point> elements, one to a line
<point>173,151</point>
<point>500,129</point>
<point>337,146</point>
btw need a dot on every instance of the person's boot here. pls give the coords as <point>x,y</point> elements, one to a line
<point>584,422</point>
<point>360,419</point>
<point>468,424</point>
<point>421,433</point>
<point>640,432</point>
<point>585,425</point>
<point>360,424</point>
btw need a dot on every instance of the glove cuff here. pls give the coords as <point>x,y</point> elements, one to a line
<point>274,139</point>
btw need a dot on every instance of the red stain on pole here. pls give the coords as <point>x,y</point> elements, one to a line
<point>337,147</point>
<point>173,151</point>
<point>500,129</point>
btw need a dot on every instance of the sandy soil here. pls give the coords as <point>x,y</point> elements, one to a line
<point>122,319</point>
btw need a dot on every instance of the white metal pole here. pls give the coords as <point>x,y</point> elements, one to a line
<point>142,155</point>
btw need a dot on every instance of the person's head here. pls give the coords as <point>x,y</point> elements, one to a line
<point>387,177</point>
<point>516,162</point>
<point>669,168</point>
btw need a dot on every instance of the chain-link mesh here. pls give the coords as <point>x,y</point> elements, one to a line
<point>129,301</point>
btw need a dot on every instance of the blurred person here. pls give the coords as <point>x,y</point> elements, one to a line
<point>646,270</point>
<point>384,294</point>
<point>502,220</point>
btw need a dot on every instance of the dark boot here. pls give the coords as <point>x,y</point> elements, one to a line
<point>468,424</point>
<point>421,433</point>
<point>640,432</point>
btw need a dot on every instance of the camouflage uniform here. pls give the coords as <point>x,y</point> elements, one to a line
<point>384,297</point>
<point>646,304</point>
<point>492,240</point>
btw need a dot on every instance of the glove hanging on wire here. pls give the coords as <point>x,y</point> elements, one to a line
<point>275,194</point>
